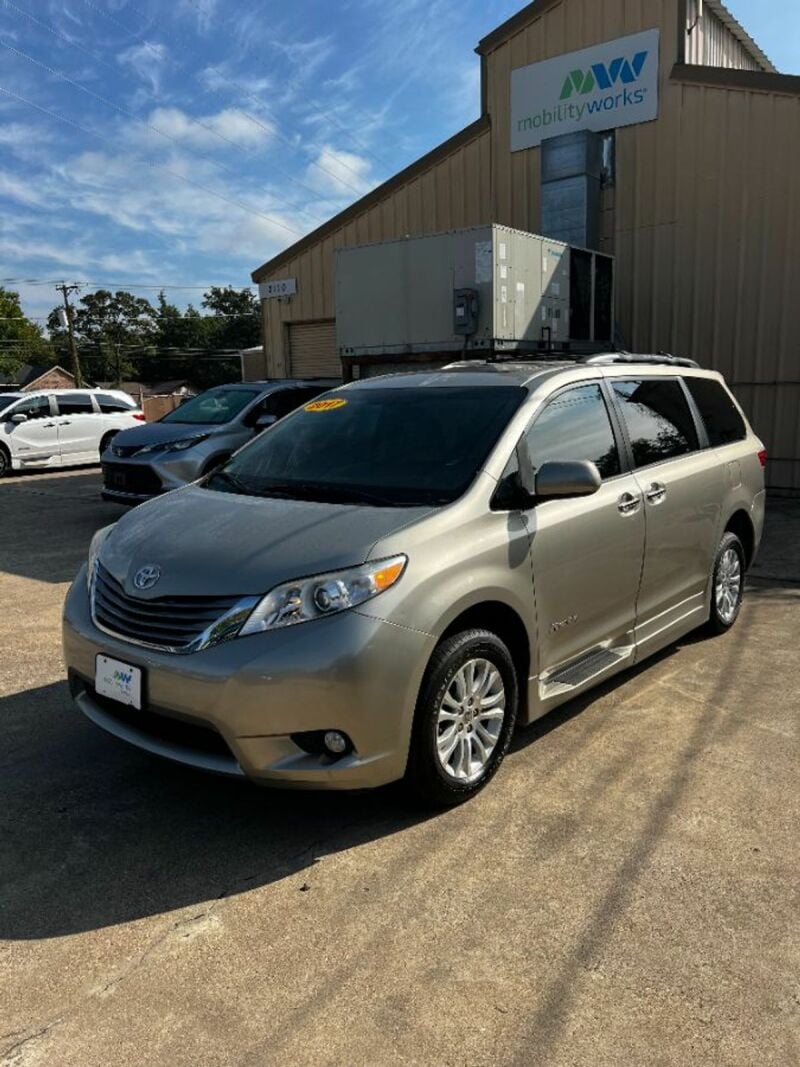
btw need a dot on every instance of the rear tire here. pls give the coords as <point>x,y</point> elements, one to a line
<point>5,461</point>
<point>465,716</point>
<point>213,465</point>
<point>727,584</point>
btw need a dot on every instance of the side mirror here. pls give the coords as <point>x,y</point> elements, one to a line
<point>19,417</point>
<point>562,480</point>
<point>263,421</point>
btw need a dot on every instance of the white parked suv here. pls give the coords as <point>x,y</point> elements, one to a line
<point>61,427</point>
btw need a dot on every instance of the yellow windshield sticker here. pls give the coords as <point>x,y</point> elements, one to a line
<point>331,404</point>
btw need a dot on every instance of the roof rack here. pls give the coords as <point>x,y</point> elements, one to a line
<point>609,358</point>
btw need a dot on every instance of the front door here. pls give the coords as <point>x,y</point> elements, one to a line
<point>586,552</point>
<point>682,487</point>
<point>34,441</point>
<point>80,428</point>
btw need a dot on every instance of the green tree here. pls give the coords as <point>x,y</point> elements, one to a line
<point>21,341</point>
<point>236,317</point>
<point>111,329</point>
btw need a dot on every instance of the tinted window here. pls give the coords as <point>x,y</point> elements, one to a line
<point>7,399</point>
<point>722,420</point>
<point>37,407</point>
<point>658,419</point>
<point>377,446</point>
<point>75,404</point>
<point>215,407</point>
<point>575,426</point>
<point>111,404</point>
<point>279,403</point>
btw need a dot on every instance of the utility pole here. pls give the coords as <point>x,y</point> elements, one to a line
<point>65,290</point>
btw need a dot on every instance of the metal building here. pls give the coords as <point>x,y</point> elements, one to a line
<point>656,131</point>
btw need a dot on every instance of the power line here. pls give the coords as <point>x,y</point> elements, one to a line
<point>155,166</point>
<point>323,114</point>
<point>245,92</point>
<point>122,285</point>
<point>129,114</point>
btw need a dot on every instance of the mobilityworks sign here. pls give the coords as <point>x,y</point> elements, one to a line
<point>601,88</point>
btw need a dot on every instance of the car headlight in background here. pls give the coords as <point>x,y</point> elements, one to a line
<point>174,446</point>
<point>94,551</point>
<point>327,594</point>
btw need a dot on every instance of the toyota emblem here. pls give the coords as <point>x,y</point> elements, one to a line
<point>146,577</point>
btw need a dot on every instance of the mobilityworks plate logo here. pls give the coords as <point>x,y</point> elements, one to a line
<point>614,84</point>
<point>604,77</point>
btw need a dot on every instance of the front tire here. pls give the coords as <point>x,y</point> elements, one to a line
<point>727,584</point>
<point>465,717</point>
<point>5,462</point>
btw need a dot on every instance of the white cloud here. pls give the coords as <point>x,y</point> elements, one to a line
<point>147,61</point>
<point>203,131</point>
<point>23,192</point>
<point>339,173</point>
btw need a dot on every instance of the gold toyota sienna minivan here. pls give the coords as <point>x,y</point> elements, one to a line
<point>389,580</point>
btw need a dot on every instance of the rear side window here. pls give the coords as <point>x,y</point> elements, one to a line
<point>110,405</point>
<point>575,426</point>
<point>658,419</point>
<point>723,423</point>
<point>75,404</point>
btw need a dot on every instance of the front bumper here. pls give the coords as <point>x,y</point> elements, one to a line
<point>129,480</point>
<point>233,709</point>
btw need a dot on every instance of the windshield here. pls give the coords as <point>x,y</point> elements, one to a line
<point>386,447</point>
<point>216,407</point>
<point>7,399</point>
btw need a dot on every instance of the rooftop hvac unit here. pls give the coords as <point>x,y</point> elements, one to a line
<point>489,289</point>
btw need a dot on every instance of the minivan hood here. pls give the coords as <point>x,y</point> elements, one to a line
<point>220,544</point>
<point>157,433</point>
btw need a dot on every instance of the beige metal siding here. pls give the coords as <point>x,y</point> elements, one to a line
<point>453,193</point>
<point>312,350</point>
<point>710,43</point>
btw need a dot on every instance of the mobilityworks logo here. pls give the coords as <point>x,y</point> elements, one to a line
<point>604,77</point>
<point>603,87</point>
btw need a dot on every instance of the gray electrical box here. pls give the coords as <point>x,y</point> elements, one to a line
<point>489,288</point>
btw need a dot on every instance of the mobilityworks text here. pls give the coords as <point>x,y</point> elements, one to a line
<point>575,112</point>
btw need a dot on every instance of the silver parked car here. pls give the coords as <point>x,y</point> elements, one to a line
<point>197,436</point>
<point>386,582</point>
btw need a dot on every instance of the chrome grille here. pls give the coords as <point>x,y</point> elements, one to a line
<point>182,624</point>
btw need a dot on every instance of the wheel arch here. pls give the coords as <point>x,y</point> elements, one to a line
<point>507,624</point>
<point>741,524</point>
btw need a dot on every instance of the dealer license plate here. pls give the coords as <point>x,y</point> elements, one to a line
<point>119,681</point>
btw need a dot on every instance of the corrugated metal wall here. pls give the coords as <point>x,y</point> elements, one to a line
<point>453,193</point>
<point>710,43</point>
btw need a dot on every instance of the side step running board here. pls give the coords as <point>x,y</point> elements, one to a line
<point>583,670</point>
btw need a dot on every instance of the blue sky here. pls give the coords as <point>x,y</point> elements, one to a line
<point>185,143</point>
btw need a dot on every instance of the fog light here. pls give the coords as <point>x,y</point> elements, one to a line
<point>335,742</point>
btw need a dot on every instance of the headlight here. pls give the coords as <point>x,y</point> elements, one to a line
<point>174,446</point>
<point>94,551</point>
<point>327,594</point>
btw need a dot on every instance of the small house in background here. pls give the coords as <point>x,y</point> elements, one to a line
<point>252,363</point>
<point>29,378</point>
<point>158,399</point>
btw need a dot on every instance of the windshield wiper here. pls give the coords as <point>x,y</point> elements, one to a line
<point>316,491</point>
<point>232,480</point>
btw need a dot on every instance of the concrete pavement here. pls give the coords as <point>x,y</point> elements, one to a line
<point>625,892</point>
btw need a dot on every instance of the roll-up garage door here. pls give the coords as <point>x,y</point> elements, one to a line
<point>312,350</point>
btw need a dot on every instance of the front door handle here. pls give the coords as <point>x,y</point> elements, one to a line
<point>48,425</point>
<point>656,493</point>
<point>628,504</point>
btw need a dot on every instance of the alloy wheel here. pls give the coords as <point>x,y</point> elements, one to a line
<point>470,720</point>
<point>728,585</point>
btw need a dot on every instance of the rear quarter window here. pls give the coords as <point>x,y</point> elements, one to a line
<point>724,425</point>
<point>112,405</point>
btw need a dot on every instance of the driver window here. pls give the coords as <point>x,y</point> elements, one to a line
<point>38,407</point>
<point>572,427</point>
